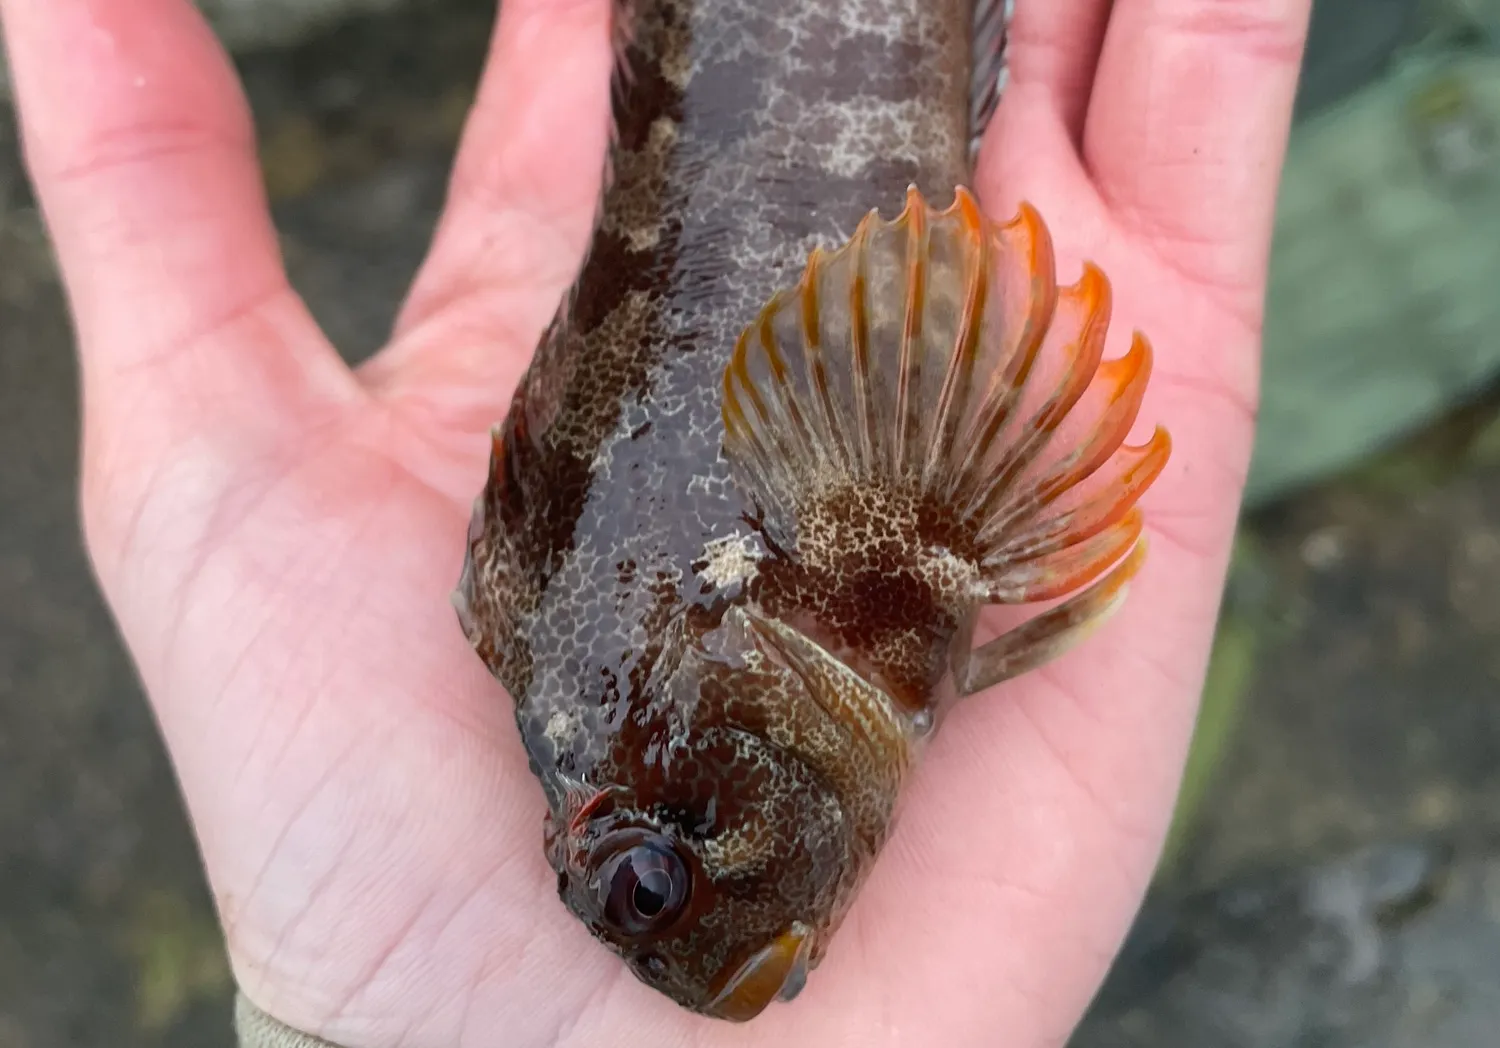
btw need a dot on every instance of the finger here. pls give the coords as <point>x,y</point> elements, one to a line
<point>521,202</point>
<point>1053,51</point>
<point>141,148</point>
<point>1188,124</point>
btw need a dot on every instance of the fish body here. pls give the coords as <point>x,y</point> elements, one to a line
<point>768,461</point>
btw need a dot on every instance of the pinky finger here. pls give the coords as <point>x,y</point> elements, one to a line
<point>1188,126</point>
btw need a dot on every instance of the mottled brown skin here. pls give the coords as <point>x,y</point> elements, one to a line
<point>752,492</point>
<point>668,660</point>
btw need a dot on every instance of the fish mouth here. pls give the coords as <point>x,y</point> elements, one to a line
<point>777,970</point>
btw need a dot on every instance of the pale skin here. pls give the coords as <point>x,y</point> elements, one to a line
<point>277,535</point>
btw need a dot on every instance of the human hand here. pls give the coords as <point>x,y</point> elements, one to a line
<point>277,535</point>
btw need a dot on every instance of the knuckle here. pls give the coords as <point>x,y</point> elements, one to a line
<point>1271,30</point>
<point>151,142</point>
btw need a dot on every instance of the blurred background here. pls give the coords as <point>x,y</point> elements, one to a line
<point>1333,879</point>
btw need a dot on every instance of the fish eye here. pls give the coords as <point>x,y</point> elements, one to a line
<point>643,888</point>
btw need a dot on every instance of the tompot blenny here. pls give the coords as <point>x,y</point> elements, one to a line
<point>768,462</point>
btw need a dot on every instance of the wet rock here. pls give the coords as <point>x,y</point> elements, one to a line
<point>1369,716</point>
<point>243,24</point>
<point>1391,947</point>
<point>1380,310</point>
<point>1350,43</point>
<point>352,250</point>
<point>257,23</point>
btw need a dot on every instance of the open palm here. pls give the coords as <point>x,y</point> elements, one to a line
<point>278,535</point>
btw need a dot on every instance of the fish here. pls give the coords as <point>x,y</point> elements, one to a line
<point>770,459</point>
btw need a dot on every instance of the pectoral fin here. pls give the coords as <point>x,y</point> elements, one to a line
<point>927,424</point>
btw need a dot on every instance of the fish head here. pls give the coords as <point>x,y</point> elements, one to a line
<point>721,866</point>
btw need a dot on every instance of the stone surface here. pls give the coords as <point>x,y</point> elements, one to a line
<point>1371,711</point>
<point>1390,947</point>
<point>254,23</point>
<point>1288,918</point>
<point>243,24</point>
<point>1381,312</point>
<point>1350,43</point>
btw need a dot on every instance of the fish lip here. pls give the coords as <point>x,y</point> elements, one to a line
<point>777,970</point>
